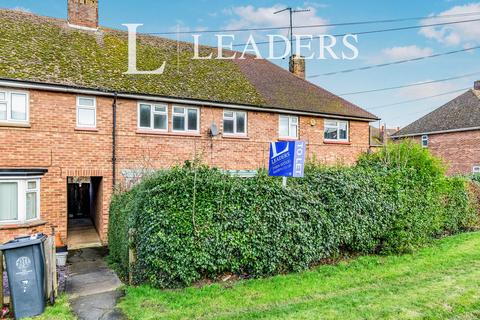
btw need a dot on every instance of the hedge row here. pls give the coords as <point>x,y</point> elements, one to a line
<point>193,223</point>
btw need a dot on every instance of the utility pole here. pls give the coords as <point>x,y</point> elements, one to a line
<point>292,12</point>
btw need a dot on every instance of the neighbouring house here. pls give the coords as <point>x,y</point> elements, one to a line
<point>451,132</point>
<point>74,127</point>
<point>380,136</point>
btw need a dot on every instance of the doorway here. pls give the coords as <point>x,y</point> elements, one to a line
<point>84,211</point>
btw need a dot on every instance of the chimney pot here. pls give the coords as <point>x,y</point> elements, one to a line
<point>297,65</point>
<point>476,86</point>
<point>83,13</point>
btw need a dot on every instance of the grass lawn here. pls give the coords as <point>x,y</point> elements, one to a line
<point>439,282</point>
<point>60,311</point>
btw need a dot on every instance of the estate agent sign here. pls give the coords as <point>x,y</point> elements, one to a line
<point>287,159</point>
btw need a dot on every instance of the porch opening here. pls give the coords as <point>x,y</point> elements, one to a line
<point>84,205</point>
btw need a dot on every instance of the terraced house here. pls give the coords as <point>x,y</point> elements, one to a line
<point>74,126</point>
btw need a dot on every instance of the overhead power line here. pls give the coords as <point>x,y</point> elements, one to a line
<point>418,99</point>
<point>370,31</point>
<point>339,24</point>
<point>394,62</point>
<point>410,85</point>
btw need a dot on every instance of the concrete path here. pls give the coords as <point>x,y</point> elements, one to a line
<point>92,286</point>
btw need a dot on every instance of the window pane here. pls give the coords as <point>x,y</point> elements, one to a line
<point>228,114</point>
<point>294,120</point>
<point>32,185</point>
<point>2,96</point>
<point>8,201</point>
<point>86,117</point>
<point>331,133</point>
<point>19,106</point>
<point>192,119</point>
<point>3,111</point>
<point>145,116</point>
<point>179,123</point>
<point>31,206</point>
<point>179,110</point>
<point>86,102</point>
<point>160,121</point>
<point>160,109</point>
<point>284,126</point>
<point>293,131</point>
<point>241,122</point>
<point>330,123</point>
<point>228,126</point>
<point>343,130</point>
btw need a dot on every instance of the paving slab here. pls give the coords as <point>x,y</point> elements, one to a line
<point>92,287</point>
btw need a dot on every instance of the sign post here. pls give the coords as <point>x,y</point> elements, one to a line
<point>287,159</point>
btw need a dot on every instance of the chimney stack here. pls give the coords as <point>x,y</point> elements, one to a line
<point>297,65</point>
<point>476,86</point>
<point>83,14</point>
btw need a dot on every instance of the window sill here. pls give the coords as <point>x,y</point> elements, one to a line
<point>233,136</point>
<point>86,129</point>
<point>165,133</point>
<point>287,139</point>
<point>346,143</point>
<point>14,125</point>
<point>21,225</point>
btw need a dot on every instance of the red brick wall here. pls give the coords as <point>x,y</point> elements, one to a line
<point>53,142</point>
<point>459,150</point>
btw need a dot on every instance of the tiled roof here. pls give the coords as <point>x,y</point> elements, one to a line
<point>462,113</point>
<point>47,50</point>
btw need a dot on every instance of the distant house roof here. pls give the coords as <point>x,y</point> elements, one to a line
<point>47,50</point>
<point>460,114</point>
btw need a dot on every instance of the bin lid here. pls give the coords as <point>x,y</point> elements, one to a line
<point>24,242</point>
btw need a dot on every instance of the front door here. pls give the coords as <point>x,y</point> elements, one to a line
<point>78,200</point>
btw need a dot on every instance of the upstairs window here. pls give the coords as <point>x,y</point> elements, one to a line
<point>14,106</point>
<point>153,116</point>
<point>336,130</point>
<point>19,200</point>
<point>86,112</point>
<point>288,127</point>
<point>185,119</point>
<point>234,122</point>
<point>425,141</point>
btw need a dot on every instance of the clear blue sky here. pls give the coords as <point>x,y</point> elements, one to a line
<point>158,16</point>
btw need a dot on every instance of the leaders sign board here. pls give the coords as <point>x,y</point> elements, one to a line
<point>287,159</point>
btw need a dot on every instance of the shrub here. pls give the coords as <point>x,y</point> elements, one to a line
<point>195,222</point>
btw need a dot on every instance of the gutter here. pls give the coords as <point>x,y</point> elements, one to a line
<point>435,132</point>
<point>20,84</point>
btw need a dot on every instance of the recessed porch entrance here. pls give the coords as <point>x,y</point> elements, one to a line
<point>84,203</point>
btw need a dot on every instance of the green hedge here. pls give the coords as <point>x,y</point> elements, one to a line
<point>194,222</point>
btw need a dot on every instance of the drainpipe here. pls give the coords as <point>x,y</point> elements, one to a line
<point>114,140</point>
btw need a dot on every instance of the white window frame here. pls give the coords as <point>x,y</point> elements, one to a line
<point>425,141</point>
<point>234,119</point>
<point>290,123</point>
<point>22,190</point>
<point>152,113</point>
<point>476,169</point>
<point>94,108</point>
<point>185,115</point>
<point>8,101</point>
<point>337,127</point>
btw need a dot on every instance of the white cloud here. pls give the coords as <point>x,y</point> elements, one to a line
<point>22,9</point>
<point>407,52</point>
<point>252,17</point>
<point>430,89</point>
<point>464,34</point>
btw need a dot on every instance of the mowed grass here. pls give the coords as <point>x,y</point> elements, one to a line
<point>439,282</point>
<point>60,311</point>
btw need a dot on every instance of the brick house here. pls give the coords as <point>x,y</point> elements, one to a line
<point>451,132</point>
<point>73,126</point>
